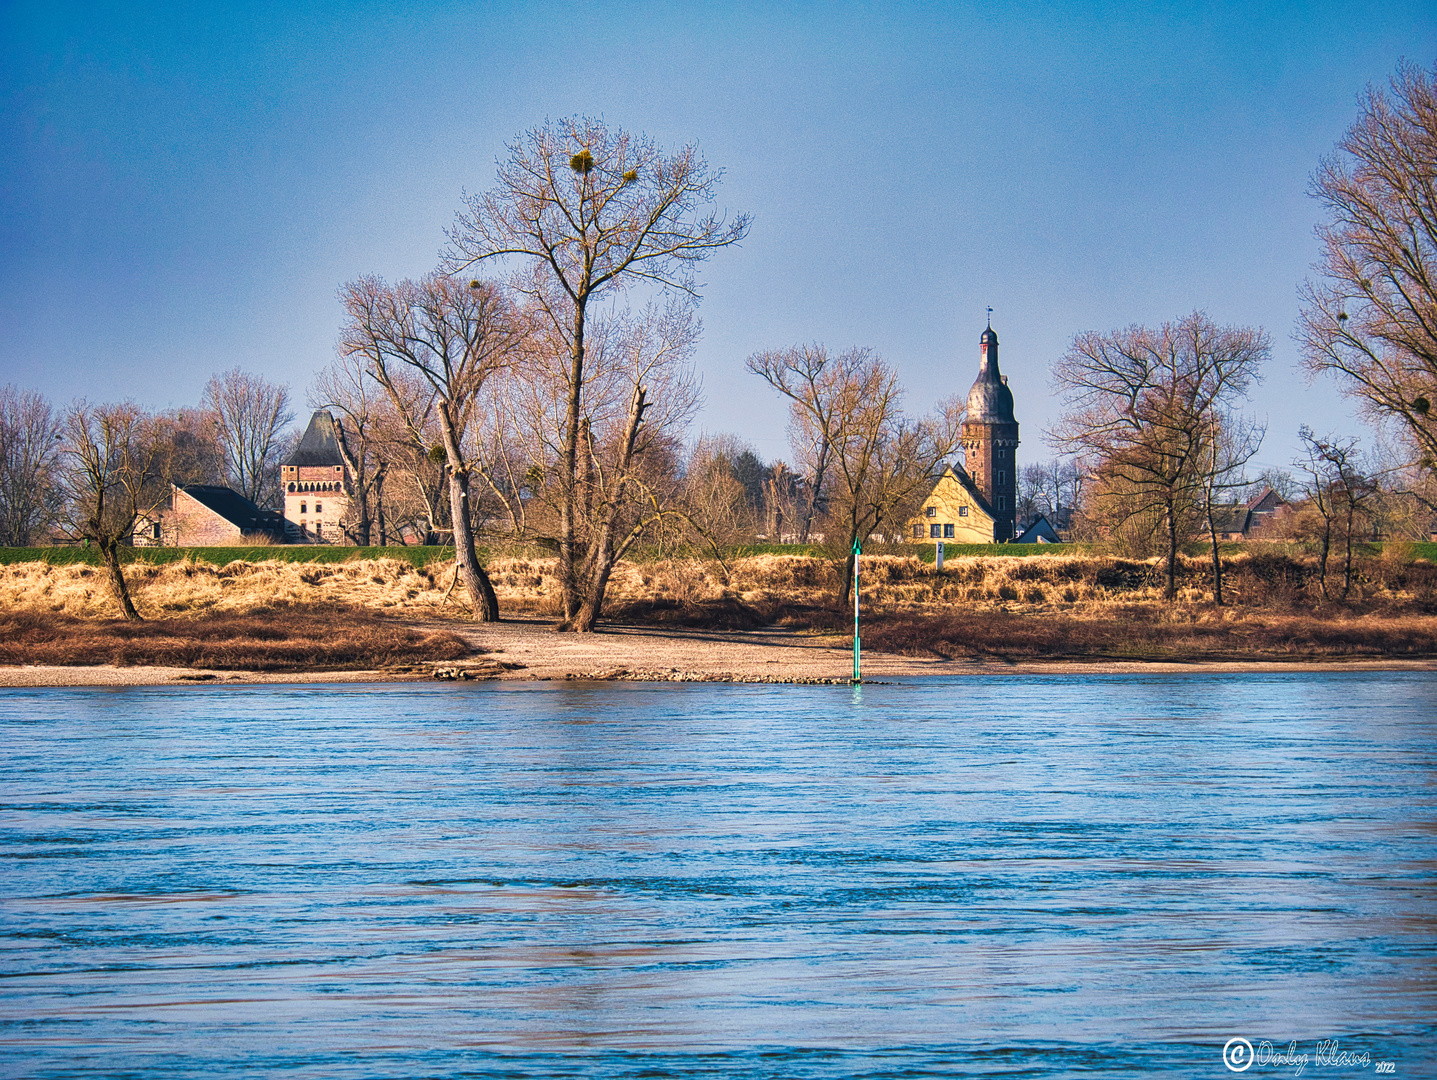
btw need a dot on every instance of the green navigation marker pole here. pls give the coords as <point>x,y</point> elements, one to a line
<point>857,551</point>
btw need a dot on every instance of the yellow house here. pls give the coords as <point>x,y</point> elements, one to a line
<point>955,511</point>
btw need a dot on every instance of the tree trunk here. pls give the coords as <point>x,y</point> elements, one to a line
<point>588,614</point>
<point>110,550</point>
<point>845,591</point>
<point>1171,589</point>
<point>476,582</point>
<point>1216,558</point>
<point>1347,553</point>
<point>569,469</point>
<point>379,504</point>
<point>600,564</point>
<point>813,495</point>
<point>1322,561</point>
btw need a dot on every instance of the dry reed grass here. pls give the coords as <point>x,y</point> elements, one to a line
<point>323,638</point>
<point>1087,604</point>
<point>1138,632</point>
<point>1071,584</point>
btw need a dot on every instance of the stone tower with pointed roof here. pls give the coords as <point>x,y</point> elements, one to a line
<point>315,485</point>
<point>990,439</point>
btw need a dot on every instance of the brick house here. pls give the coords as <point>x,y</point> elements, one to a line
<point>203,515</point>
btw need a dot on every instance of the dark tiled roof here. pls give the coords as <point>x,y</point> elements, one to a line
<point>319,445</point>
<point>1230,519</point>
<point>236,509</point>
<point>1265,503</point>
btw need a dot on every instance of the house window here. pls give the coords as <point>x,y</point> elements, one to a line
<point>930,511</point>
<point>1002,477</point>
<point>947,532</point>
<point>318,531</point>
<point>304,508</point>
<point>918,532</point>
<point>935,531</point>
<point>157,530</point>
<point>962,511</point>
<point>319,508</point>
<point>1002,502</point>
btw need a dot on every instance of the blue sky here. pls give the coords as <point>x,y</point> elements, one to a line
<point>185,186</point>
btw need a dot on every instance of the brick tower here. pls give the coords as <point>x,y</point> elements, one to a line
<point>316,490</point>
<point>990,439</point>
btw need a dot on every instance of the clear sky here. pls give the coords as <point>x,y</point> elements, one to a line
<point>183,187</point>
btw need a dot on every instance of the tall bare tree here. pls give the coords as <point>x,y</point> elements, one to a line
<point>1233,442</point>
<point>1371,318</point>
<point>1341,493</point>
<point>113,470</point>
<point>454,337</point>
<point>29,498</point>
<point>585,210</point>
<point>250,417</point>
<point>190,446</point>
<point>640,397</point>
<point>346,387</point>
<point>847,421</point>
<point>814,383</point>
<point>1142,403</point>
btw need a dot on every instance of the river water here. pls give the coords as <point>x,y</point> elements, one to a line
<point>1015,876</point>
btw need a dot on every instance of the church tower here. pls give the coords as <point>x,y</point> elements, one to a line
<point>990,439</point>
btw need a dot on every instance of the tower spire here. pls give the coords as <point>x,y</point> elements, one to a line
<point>990,318</point>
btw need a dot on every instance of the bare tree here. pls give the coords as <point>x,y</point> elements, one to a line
<point>1280,482</point>
<point>814,382</point>
<point>454,337</point>
<point>346,387</point>
<point>586,210</point>
<point>1233,442</point>
<point>641,394</point>
<point>250,417</point>
<point>29,499</point>
<point>1372,317</point>
<point>714,492</point>
<point>846,418</point>
<point>1340,492</point>
<point>1049,488</point>
<point>113,470</point>
<point>1141,403</point>
<point>190,446</point>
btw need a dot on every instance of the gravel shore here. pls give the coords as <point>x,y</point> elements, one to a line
<point>529,649</point>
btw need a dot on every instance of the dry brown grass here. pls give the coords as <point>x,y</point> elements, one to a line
<point>326,638</point>
<point>1038,606</point>
<point>1143,633</point>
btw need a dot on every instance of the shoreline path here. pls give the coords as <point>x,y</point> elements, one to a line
<point>529,649</point>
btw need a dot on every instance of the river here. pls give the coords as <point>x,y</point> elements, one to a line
<point>1010,875</point>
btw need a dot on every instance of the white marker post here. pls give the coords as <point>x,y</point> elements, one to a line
<point>857,551</point>
<point>938,556</point>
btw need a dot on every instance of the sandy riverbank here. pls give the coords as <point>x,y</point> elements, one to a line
<point>529,649</point>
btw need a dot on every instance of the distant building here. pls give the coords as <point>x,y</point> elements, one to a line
<point>1040,531</point>
<point>955,510</point>
<point>203,515</point>
<point>316,486</point>
<point>976,502</point>
<point>1263,516</point>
